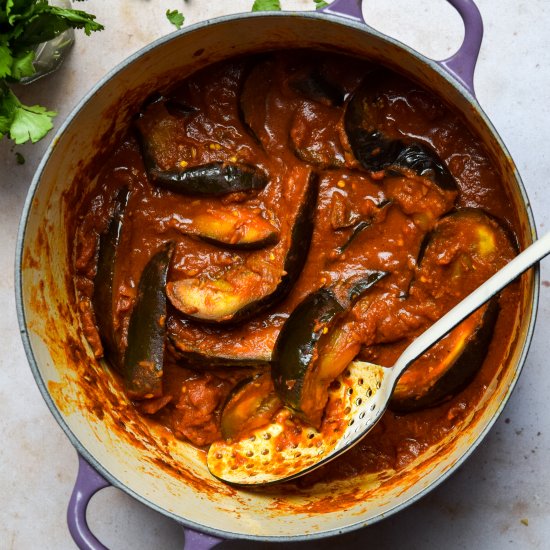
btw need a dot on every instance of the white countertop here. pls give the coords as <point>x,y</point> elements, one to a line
<point>499,498</point>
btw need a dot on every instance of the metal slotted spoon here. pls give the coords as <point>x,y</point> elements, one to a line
<point>288,448</point>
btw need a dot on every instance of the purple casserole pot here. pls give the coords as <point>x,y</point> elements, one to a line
<point>118,447</point>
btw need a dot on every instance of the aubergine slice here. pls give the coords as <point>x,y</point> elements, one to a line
<point>464,249</point>
<point>143,359</point>
<point>464,243</point>
<point>205,347</point>
<point>102,298</point>
<point>250,405</point>
<point>449,366</point>
<point>174,105</point>
<point>162,140</point>
<point>355,230</point>
<point>300,373</point>
<point>178,108</point>
<point>254,97</point>
<point>314,135</point>
<point>425,162</point>
<point>207,361</point>
<point>211,180</point>
<point>316,87</point>
<point>160,132</point>
<point>245,291</point>
<point>362,121</point>
<point>375,151</point>
<point>358,227</point>
<point>236,228</point>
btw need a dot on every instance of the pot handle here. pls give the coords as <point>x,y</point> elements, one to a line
<point>461,65</point>
<point>350,9</point>
<point>88,483</point>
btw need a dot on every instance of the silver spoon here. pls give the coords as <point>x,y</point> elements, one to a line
<point>286,449</point>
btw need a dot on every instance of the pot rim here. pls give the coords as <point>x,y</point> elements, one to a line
<point>82,450</point>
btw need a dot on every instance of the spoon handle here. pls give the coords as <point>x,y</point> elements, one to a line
<point>531,255</point>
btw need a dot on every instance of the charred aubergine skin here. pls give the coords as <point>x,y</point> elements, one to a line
<point>316,87</point>
<point>143,359</point>
<point>102,298</point>
<point>297,348</point>
<point>212,179</point>
<point>376,151</point>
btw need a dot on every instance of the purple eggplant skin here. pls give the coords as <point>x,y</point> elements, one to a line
<point>102,298</point>
<point>360,227</point>
<point>357,228</point>
<point>179,109</point>
<point>424,161</point>
<point>296,346</point>
<point>211,180</point>
<point>144,356</point>
<point>376,151</point>
<point>255,245</point>
<point>462,371</point>
<point>203,361</point>
<point>373,151</point>
<point>316,87</point>
<point>255,88</point>
<point>297,341</point>
<point>175,107</point>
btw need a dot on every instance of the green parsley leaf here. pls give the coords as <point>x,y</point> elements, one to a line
<point>19,158</point>
<point>266,5</point>
<point>175,17</point>
<point>19,9</point>
<point>77,19</point>
<point>8,105</point>
<point>319,4</point>
<point>23,25</point>
<point>39,28</point>
<point>22,65</point>
<point>31,123</point>
<point>6,61</point>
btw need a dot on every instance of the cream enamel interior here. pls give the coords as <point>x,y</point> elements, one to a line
<point>47,294</point>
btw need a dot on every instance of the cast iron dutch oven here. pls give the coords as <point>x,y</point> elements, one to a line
<point>171,476</point>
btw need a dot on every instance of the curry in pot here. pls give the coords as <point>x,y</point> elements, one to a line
<point>271,219</point>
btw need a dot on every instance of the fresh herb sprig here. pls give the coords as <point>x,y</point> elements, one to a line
<point>24,24</point>
<point>176,18</point>
<point>266,5</point>
<point>275,5</point>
